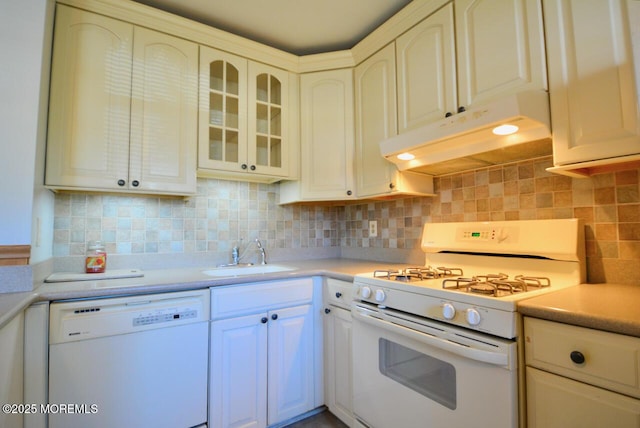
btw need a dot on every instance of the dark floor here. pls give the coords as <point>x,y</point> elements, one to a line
<point>321,420</point>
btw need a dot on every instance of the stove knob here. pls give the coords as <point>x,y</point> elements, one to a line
<point>365,292</point>
<point>473,316</point>
<point>380,296</point>
<point>448,311</point>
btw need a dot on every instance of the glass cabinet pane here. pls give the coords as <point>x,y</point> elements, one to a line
<point>231,146</point>
<point>231,110</point>
<point>262,150</point>
<point>232,80</point>
<point>216,76</point>
<point>262,87</point>
<point>216,108</point>
<point>274,129</point>
<point>216,145</point>
<point>262,119</point>
<point>276,91</point>
<point>276,152</point>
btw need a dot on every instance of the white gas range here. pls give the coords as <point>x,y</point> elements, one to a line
<point>425,338</point>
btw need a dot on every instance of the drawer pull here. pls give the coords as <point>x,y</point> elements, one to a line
<point>577,357</point>
<point>338,294</point>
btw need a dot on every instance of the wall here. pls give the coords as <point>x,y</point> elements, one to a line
<point>200,229</point>
<point>206,226</point>
<point>608,203</point>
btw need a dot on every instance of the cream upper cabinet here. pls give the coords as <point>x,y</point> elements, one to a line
<point>492,48</point>
<point>500,49</point>
<point>244,118</point>
<point>123,107</point>
<point>375,92</point>
<point>593,90</point>
<point>428,49</point>
<point>327,139</point>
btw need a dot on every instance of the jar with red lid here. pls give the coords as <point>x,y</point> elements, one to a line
<point>96,257</point>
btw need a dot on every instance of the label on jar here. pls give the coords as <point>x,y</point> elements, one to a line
<point>96,263</point>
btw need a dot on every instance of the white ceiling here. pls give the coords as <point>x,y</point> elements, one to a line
<point>300,27</point>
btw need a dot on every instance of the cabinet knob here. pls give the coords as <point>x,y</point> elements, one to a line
<point>264,320</point>
<point>243,166</point>
<point>274,317</point>
<point>449,114</point>
<point>327,310</point>
<point>577,357</point>
<point>121,182</point>
<point>252,167</point>
<point>349,193</point>
<point>338,294</point>
<point>391,185</point>
<point>461,109</point>
<point>135,183</point>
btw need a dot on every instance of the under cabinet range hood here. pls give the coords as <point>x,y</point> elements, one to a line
<point>471,139</point>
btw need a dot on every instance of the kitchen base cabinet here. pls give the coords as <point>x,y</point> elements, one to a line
<point>557,402</point>
<point>11,373</point>
<point>263,358</point>
<point>337,357</point>
<point>580,377</point>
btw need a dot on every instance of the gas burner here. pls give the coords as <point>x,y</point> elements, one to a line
<point>416,273</point>
<point>496,285</point>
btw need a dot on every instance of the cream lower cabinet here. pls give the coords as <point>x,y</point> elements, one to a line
<point>327,139</point>
<point>337,351</point>
<point>500,51</point>
<point>123,107</point>
<point>579,377</point>
<point>375,92</point>
<point>593,82</point>
<point>262,361</point>
<point>11,372</point>
<point>245,118</point>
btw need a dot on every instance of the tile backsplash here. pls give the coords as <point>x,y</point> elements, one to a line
<point>223,212</point>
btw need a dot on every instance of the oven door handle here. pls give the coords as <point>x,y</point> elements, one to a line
<point>494,358</point>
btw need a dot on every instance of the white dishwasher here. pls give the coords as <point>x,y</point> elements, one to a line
<point>136,361</point>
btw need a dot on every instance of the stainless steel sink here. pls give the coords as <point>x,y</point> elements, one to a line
<point>246,270</point>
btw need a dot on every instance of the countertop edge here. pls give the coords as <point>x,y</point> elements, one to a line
<point>11,304</point>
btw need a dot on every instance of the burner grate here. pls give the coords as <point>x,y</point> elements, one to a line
<point>496,284</point>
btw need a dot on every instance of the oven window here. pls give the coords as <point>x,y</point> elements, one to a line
<point>431,377</point>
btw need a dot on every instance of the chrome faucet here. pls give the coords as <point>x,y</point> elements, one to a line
<point>263,252</point>
<point>236,256</point>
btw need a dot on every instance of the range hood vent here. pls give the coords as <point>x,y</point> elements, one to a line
<point>466,140</point>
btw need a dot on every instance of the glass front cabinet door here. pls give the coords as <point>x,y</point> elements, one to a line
<point>242,118</point>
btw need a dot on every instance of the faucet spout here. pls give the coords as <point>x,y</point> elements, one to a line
<point>263,252</point>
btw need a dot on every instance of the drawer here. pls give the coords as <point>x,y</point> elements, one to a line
<point>339,293</point>
<point>244,299</point>
<point>610,360</point>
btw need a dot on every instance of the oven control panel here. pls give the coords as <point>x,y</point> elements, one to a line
<point>487,234</point>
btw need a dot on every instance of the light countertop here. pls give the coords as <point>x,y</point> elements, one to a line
<point>609,307</point>
<point>167,280</point>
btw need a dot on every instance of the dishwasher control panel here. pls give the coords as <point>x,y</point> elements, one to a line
<point>91,319</point>
<point>164,316</point>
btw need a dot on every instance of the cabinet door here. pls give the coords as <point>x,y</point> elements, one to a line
<point>11,370</point>
<point>268,145</point>
<point>238,372</point>
<point>222,142</point>
<point>327,150</point>
<point>291,363</point>
<point>338,364</point>
<point>164,113</point>
<point>89,106</point>
<point>426,71</point>
<point>375,89</point>
<point>594,99</point>
<point>557,402</point>
<point>500,49</point>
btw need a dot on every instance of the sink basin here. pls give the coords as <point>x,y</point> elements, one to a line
<point>246,270</point>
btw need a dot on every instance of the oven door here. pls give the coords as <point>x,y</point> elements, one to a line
<point>411,372</point>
